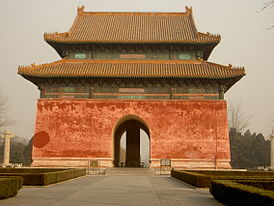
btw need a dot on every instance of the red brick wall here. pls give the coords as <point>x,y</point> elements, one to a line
<point>178,129</point>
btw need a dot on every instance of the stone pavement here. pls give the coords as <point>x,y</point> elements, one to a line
<point>114,191</point>
<point>129,171</point>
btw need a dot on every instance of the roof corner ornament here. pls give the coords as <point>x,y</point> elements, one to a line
<point>80,9</point>
<point>219,36</point>
<point>33,64</point>
<point>230,65</point>
<point>188,10</point>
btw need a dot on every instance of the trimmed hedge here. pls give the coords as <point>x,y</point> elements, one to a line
<point>233,187</point>
<point>233,194</point>
<point>195,179</point>
<point>30,170</point>
<point>19,180</point>
<point>46,176</point>
<point>262,183</point>
<point>9,186</point>
<point>234,173</point>
<point>201,178</point>
<point>59,176</point>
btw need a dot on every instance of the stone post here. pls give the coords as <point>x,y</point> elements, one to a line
<point>272,150</point>
<point>7,135</point>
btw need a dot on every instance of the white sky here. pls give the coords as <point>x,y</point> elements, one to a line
<point>245,42</point>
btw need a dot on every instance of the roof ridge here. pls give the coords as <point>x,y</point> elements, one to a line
<point>207,34</point>
<point>193,24</point>
<point>229,66</point>
<point>197,61</point>
<point>80,11</point>
<point>34,66</point>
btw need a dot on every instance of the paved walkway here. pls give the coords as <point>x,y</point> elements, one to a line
<point>114,191</point>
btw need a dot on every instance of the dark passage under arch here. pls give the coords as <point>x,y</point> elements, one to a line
<point>132,129</point>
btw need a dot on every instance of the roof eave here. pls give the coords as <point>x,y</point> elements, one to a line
<point>129,76</point>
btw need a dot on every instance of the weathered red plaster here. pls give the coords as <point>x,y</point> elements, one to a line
<point>179,130</point>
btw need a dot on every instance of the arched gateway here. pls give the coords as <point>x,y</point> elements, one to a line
<point>152,65</point>
<point>130,125</point>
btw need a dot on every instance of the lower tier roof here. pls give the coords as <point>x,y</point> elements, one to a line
<point>132,69</point>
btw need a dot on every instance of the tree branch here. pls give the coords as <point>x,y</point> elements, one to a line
<point>267,5</point>
<point>237,119</point>
<point>4,120</point>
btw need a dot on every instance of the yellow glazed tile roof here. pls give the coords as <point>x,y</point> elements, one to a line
<point>133,27</point>
<point>132,69</point>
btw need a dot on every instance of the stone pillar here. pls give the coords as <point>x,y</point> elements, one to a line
<point>7,135</point>
<point>272,151</point>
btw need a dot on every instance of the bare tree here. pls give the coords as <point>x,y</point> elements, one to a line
<point>266,5</point>
<point>272,123</point>
<point>237,119</point>
<point>4,119</point>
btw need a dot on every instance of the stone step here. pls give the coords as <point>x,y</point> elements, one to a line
<point>129,171</point>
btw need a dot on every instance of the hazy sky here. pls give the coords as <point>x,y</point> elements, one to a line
<point>245,42</point>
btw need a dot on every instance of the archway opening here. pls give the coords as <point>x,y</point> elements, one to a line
<point>131,144</point>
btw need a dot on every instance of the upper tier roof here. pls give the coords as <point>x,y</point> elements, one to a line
<point>132,27</point>
<point>132,69</point>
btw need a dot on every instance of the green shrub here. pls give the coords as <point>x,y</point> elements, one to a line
<point>9,186</point>
<point>234,194</point>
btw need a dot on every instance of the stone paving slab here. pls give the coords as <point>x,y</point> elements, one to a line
<point>114,191</point>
